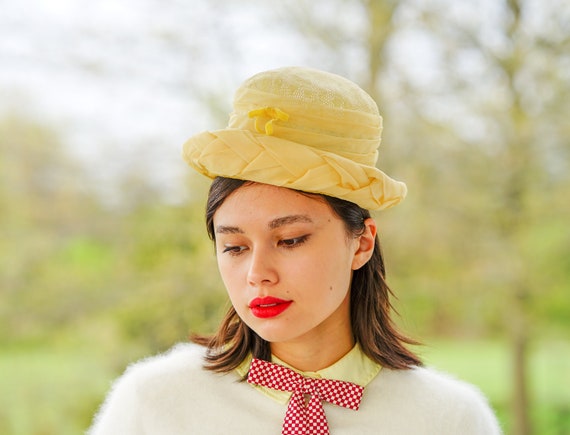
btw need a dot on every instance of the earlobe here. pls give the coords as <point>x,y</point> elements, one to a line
<point>365,245</point>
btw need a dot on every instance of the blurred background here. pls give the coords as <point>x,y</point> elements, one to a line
<point>103,253</point>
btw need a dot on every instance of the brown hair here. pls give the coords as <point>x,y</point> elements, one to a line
<point>370,306</point>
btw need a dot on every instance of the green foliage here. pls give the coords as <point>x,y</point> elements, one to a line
<point>147,269</point>
<point>168,265</point>
<point>50,391</point>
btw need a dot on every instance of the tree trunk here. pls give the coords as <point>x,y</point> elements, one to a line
<point>519,343</point>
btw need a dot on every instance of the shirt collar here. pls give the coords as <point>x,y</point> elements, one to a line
<point>354,367</point>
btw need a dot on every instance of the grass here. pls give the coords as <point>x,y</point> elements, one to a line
<point>49,391</point>
<point>487,365</point>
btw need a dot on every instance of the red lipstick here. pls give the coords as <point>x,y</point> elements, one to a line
<point>268,306</point>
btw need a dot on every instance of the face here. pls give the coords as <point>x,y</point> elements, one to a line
<point>286,260</point>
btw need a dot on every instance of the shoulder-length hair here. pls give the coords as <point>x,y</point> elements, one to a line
<point>370,306</point>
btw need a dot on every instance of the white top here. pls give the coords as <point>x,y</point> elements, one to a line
<point>172,394</point>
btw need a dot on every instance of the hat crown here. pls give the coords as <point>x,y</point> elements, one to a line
<point>311,87</point>
<point>316,108</point>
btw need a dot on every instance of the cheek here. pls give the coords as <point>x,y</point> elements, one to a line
<point>335,271</point>
<point>233,290</point>
<point>228,273</point>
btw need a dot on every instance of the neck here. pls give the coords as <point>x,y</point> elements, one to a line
<point>310,358</point>
<point>318,349</point>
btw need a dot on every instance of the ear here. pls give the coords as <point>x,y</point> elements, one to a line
<point>364,244</point>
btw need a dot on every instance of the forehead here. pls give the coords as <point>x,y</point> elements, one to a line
<point>253,202</point>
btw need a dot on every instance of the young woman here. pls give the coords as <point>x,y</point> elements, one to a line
<point>308,346</point>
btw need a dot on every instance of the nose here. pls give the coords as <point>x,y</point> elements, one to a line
<point>262,269</point>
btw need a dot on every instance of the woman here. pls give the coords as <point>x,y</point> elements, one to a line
<point>308,346</point>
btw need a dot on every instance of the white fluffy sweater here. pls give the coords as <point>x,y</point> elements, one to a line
<point>172,394</point>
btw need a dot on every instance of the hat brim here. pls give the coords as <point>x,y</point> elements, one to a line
<point>241,154</point>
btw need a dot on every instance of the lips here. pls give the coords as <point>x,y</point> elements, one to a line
<point>268,307</point>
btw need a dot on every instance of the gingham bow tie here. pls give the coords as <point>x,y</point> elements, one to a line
<point>301,418</point>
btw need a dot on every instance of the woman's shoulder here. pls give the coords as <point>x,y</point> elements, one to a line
<point>428,382</point>
<point>181,357</point>
<point>433,395</point>
<point>182,363</point>
<point>154,385</point>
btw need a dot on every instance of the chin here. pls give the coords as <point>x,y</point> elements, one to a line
<point>272,334</point>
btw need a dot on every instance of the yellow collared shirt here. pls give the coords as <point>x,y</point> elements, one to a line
<point>354,367</point>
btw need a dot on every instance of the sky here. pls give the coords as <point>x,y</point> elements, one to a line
<point>128,80</point>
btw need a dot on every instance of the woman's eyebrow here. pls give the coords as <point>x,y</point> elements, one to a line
<point>275,223</point>
<point>223,229</point>
<point>287,220</point>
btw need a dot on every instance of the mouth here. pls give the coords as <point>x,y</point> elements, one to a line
<point>268,307</point>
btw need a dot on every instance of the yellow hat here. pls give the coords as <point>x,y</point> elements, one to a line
<point>302,129</point>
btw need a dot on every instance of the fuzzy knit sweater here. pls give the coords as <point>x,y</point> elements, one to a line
<point>171,394</point>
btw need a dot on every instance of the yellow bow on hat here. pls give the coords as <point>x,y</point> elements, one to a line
<point>267,112</point>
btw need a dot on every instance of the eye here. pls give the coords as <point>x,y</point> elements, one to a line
<point>234,250</point>
<point>293,242</point>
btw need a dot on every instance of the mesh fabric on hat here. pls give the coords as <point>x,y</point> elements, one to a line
<point>302,129</point>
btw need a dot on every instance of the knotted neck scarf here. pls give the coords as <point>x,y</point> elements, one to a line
<point>301,417</point>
